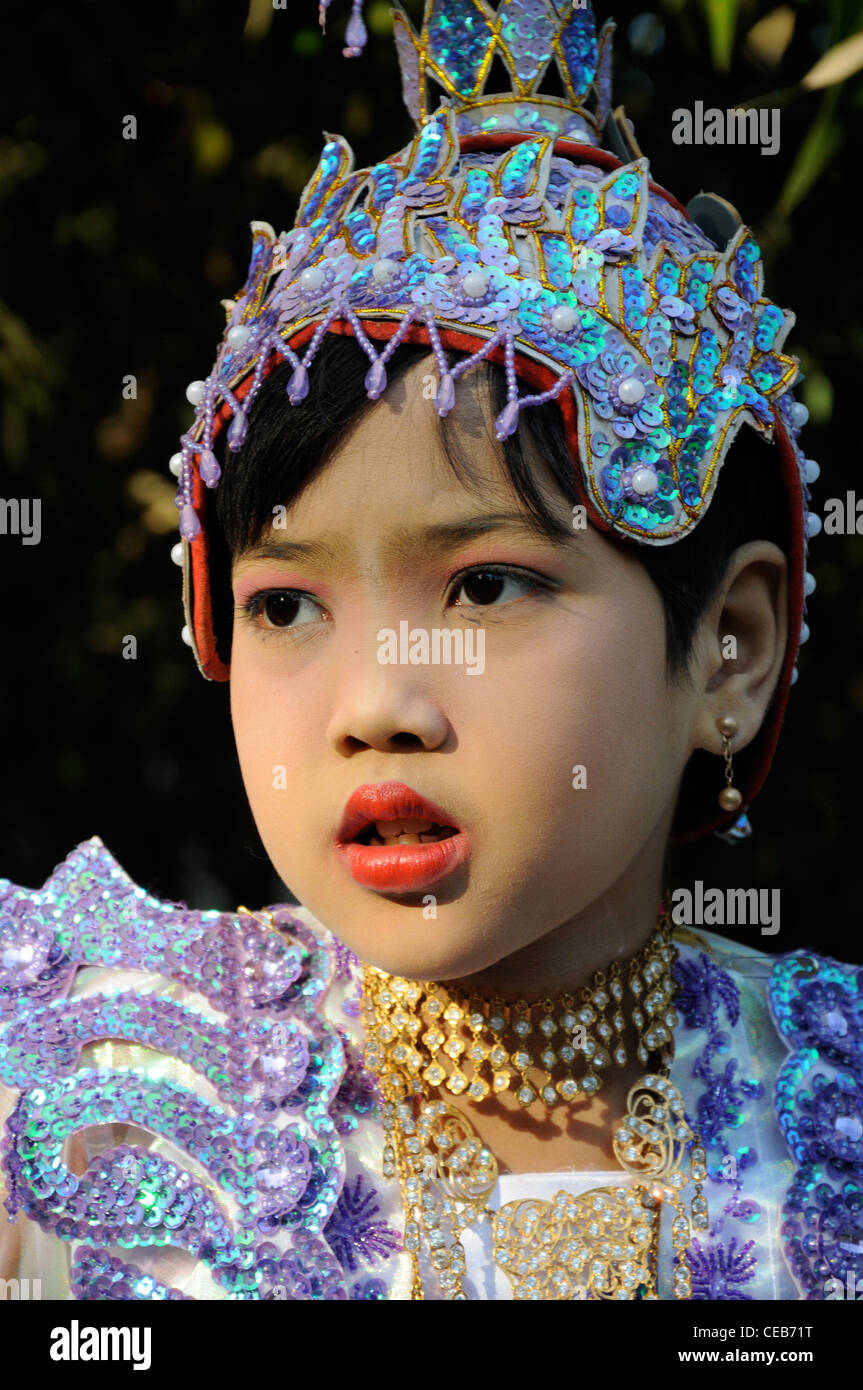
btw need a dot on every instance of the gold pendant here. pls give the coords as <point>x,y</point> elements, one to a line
<point>604,1243</point>
<point>598,1245</point>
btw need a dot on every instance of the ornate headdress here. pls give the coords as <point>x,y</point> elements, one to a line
<point>524,228</point>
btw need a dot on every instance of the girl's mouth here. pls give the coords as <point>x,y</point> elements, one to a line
<point>403,856</point>
<point>405,832</point>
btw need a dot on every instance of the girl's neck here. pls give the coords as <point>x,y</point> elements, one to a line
<point>564,960</point>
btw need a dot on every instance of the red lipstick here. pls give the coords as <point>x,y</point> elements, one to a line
<point>398,868</point>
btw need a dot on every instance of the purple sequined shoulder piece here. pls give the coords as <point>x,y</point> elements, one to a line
<point>817,1005</point>
<point>261,1166</point>
<point>709,1001</point>
<point>706,994</point>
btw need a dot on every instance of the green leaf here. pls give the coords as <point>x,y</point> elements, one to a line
<point>379,18</point>
<point>818,397</point>
<point>846,18</point>
<point>819,146</point>
<point>780,97</point>
<point>258,20</point>
<point>839,62</point>
<point>212,144</point>
<point>769,38</point>
<point>721,16</point>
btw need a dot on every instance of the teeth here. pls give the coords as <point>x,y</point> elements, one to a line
<point>401,839</point>
<point>410,837</point>
<point>389,829</point>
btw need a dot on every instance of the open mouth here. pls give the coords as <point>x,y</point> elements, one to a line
<point>404,832</point>
<point>393,839</point>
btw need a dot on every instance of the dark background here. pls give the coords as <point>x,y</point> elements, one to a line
<point>118,253</point>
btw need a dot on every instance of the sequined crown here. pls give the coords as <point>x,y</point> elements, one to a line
<point>505,223</point>
<point>458,43</point>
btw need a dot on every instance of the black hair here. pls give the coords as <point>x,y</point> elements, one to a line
<point>288,445</point>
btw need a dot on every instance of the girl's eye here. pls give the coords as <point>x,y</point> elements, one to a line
<point>484,587</point>
<point>283,610</point>
<point>280,608</point>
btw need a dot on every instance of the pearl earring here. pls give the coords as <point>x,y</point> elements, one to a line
<point>729,798</point>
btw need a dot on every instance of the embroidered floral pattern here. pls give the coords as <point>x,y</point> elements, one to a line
<point>707,992</point>
<point>358,1094</point>
<point>818,1008</point>
<point>617,374</point>
<point>719,1271</point>
<point>704,989</point>
<point>346,962</point>
<point>353,1231</point>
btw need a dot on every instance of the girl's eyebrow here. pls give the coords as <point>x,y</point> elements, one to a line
<point>406,542</point>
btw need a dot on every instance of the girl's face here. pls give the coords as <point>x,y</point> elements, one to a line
<point>572,677</point>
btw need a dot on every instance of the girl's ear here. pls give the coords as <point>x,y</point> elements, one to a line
<point>740,645</point>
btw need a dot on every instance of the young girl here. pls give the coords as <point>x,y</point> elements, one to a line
<point>506,605</point>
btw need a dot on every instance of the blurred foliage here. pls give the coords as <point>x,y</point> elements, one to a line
<point>120,251</point>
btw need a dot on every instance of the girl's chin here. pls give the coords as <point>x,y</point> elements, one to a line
<point>443,961</point>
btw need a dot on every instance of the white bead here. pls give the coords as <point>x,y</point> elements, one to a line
<point>177,553</point>
<point>813,524</point>
<point>186,635</point>
<point>809,585</point>
<point>631,390</point>
<point>804,633</point>
<point>384,270</point>
<point>195,392</point>
<point>176,464</point>
<point>563,318</point>
<point>312,279</point>
<point>794,674</point>
<point>238,336</point>
<point>644,481</point>
<point>799,414</point>
<point>811,471</point>
<point>475,284</point>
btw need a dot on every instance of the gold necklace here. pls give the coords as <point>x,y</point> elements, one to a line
<point>603,1244</point>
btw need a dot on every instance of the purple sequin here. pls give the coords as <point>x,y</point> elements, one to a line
<point>275,1065</point>
<point>706,992</point>
<point>704,989</point>
<point>353,1231</point>
<point>719,1271</point>
<point>97,1276</point>
<point>818,1008</point>
<point>359,1093</point>
<point>347,964</point>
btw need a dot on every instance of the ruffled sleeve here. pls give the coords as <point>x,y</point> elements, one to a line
<point>166,1079</point>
